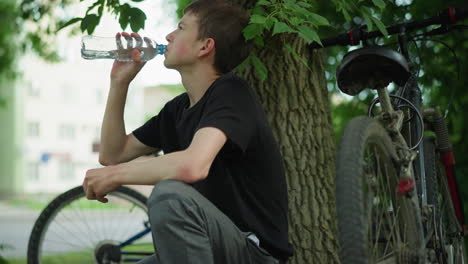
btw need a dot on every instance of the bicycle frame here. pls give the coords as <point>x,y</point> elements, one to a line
<point>406,135</point>
<point>129,241</point>
<point>414,130</point>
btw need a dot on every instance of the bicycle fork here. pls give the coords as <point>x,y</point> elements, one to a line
<point>393,122</point>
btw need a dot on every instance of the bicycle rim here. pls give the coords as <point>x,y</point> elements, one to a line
<point>72,228</point>
<point>376,225</point>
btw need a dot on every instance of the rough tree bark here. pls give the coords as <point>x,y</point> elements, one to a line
<point>296,101</point>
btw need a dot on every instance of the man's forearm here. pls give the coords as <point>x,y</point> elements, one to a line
<point>113,132</point>
<point>151,170</point>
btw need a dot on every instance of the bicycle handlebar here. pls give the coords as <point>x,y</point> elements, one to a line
<point>354,37</point>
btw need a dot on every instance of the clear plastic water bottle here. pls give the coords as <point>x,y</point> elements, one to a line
<point>119,47</point>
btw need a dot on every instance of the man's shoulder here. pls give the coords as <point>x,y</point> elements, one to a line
<point>232,79</point>
<point>230,85</point>
<point>177,101</point>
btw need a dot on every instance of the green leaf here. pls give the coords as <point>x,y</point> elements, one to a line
<point>321,21</point>
<point>368,19</point>
<point>292,6</point>
<point>263,2</point>
<point>260,68</point>
<point>309,34</point>
<point>124,16</point>
<point>379,3</point>
<point>346,14</point>
<point>258,19</point>
<point>137,19</point>
<point>258,10</point>
<point>259,41</point>
<point>89,23</point>
<point>281,27</point>
<point>270,22</point>
<point>98,2</point>
<point>138,0</point>
<point>294,53</point>
<point>101,9</point>
<point>380,26</point>
<point>304,4</point>
<point>252,30</point>
<point>69,22</point>
<point>296,21</point>
<point>301,12</point>
<point>241,67</point>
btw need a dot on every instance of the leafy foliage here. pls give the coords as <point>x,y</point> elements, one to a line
<point>4,247</point>
<point>44,19</point>
<point>275,17</point>
<point>9,31</point>
<point>181,4</point>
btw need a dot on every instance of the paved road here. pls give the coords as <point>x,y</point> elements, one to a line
<point>15,227</point>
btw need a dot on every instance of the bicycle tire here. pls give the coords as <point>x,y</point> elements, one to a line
<point>364,144</point>
<point>447,241</point>
<point>71,228</point>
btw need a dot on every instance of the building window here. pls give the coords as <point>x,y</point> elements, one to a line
<point>33,171</point>
<point>66,170</point>
<point>33,129</point>
<point>67,132</point>
<point>33,89</point>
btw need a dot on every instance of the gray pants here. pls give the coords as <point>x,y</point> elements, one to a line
<point>187,228</point>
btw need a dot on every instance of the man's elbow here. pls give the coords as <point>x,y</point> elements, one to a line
<point>190,173</point>
<point>104,161</point>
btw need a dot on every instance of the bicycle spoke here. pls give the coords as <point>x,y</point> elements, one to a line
<point>392,234</point>
<point>389,219</point>
<point>391,260</point>
<point>75,230</point>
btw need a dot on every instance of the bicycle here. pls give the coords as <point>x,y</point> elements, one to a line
<point>72,229</point>
<point>396,193</point>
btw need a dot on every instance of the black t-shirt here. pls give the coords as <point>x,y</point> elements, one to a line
<point>246,180</point>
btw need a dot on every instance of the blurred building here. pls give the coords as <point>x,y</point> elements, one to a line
<point>62,110</point>
<point>58,117</point>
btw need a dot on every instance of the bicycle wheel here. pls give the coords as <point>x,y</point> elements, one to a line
<point>72,229</point>
<point>447,240</point>
<point>375,223</point>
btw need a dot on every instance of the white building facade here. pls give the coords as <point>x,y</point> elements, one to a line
<point>63,106</point>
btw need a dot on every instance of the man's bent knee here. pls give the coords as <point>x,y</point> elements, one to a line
<point>167,189</point>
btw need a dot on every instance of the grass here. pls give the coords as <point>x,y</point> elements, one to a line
<point>82,257</point>
<point>68,258</point>
<point>36,205</point>
<point>40,204</point>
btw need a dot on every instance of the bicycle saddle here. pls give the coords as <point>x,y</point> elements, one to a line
<point>371,67</point>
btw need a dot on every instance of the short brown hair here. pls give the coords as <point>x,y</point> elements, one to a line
<point>223,22</point>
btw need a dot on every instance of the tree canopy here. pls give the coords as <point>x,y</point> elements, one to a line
<point>9,31</point>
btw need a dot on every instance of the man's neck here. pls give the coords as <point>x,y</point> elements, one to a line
<point>197,81</point>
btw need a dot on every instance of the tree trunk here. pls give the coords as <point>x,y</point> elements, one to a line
<point>297,105</point>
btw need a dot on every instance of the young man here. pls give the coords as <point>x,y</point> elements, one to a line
<point>220,192</point>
